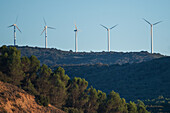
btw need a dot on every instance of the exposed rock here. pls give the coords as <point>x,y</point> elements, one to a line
<point>16,100</point>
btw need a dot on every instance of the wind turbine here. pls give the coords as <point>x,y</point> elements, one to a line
<point>15,26</point>
<point>76,46</point>
<point>151,32</point>
<point>45,29</point>
<point>108,34</point>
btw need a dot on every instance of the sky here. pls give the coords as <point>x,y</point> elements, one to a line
<point>131,35</point>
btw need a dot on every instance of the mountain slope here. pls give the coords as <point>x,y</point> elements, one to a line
<point>13,99</point>
<point>133,81</point>
<point>53,56</point>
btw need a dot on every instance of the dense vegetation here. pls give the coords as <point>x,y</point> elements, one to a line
<point>56,88</point>
<point>159,104</point>
<point>142,81</point>
<point>53,56</point>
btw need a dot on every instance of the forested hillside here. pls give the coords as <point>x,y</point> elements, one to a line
<point>53,56</point>
<point>55,87</point>
<point>144,80</point>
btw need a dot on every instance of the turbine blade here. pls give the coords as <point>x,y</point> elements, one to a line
<point>10,25</point>
<point>157,22</point>
<point>51,28</point>
<point>43,31</point>
<point>113,26</point>
<point>147,21</point>
<point>104,26</point>
<point>16,20</point>
<point>75,26</point>
<point>18,28</point>
<point>44,22</point>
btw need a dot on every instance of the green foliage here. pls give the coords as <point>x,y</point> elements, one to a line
<point>58,91</point>
<point>77,95</point>
<point>44,72</point>
<point>141,107</point>
<point>26,64</point>
<point>4,77</point>
<point>159,104</point>
<point>11,64</point>
<point>92,104</point>
<point>29,87</point>
<point>42,100</point>
<point>132,107</point>
<point>72,110</point>
<point>114,103</point>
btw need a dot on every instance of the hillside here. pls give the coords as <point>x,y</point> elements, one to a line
<point>145,80</point>
<point>14,99</point>
<point>54,87</point>
<point>53,56</point>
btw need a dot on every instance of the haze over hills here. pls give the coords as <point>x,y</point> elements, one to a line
<point>54,56</point>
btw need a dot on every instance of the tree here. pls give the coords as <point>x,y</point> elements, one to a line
<point>77,95</point>
<point>102,101</point>
<point>58,91</point>
<point>42,83</point>
<point>132,107</point>
<point>25,64</point>
<point>92,104</point>
<point>29,87</point>
<point>11,64</point>
<point>44,72</point>
<point>141,107</point>
<point>114,103</point>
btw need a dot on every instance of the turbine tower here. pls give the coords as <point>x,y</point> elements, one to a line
<point>76,45</point>
<point>108,34</point>
<point>45,29</point>
<point>15,26</point>
<point>151,32</point>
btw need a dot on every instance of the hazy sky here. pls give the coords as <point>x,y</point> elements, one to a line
<point>131,34</point>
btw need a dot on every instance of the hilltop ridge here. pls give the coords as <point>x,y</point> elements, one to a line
<point>54,56</point>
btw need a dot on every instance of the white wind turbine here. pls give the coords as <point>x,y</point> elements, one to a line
<point>76,45</point>
<point>45,29</point>
<point>108,34</point>
<point>15,26</point>
<point>151,32</point>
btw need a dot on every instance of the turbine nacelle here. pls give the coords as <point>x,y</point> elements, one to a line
<point>76,30</point>
<point>45,29</point>
<point>15,26</point>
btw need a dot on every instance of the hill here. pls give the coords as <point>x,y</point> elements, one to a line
<point>56,88</point>
<point>144,80</point>
<point>53,56</point>
<point>14,99</point>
